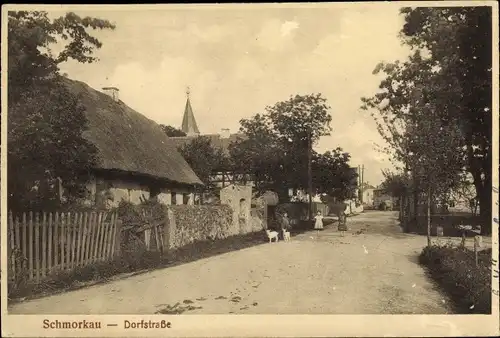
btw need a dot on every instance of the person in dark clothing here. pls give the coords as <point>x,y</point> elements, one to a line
<point>285,223</point>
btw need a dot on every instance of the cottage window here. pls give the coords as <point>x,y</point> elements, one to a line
<point>173,197</point>
<point>154,191</point>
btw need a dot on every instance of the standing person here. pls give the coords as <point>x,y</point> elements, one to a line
<point>285,224</point>
<point>318,224</point>
<point>342,222</point>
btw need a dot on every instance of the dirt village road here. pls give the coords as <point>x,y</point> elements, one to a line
<point>372,270</point>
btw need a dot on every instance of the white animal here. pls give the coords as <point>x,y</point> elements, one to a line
<point>271,235</point>
<point>286,235</point>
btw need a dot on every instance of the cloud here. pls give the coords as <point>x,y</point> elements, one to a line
<point>288,26</point>
<point>276,35</point>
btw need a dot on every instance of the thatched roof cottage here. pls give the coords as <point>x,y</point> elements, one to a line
<point>136,158</point>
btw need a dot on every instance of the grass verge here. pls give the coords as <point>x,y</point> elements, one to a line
<point>129,263</point>
<point>454,270</point>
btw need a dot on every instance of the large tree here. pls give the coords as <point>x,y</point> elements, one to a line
<point>46,121</point>
<point>276,146</point>
<point>332,174</point>
<point>434,110</point>
<point>204,158</point>
<point>260,153</point>
<point>459,41</point>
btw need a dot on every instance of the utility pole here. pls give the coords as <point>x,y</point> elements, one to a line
<point>362,181</point>
<point>309,172</point>
<point>359,182</point>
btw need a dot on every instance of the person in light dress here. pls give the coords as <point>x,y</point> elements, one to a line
<point>318,223</point>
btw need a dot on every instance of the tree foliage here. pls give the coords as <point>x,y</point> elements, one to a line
<point>395,184</point>
<point>276,145</point>
<point>332,174</point>
<point>203,158</point>
<point>434,110</point>
<point>46,121</point>
<point>260,152</point>
<point>172,131</point>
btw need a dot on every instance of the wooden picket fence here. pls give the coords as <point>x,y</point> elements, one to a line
<point>42,243</point>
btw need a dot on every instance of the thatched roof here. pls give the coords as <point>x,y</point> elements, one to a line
<point>128,141</point>
<point>217,140</point>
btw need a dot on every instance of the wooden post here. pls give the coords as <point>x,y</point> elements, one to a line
<point>24,239</point>
<point>68,240</point>
<point>17,227</point>
<point>429,217</point>
<point>44,245</point>
<point>37,247</point>
<point>109,235</point>
<point>309,173</point>
<point>400,217</point>
<point>73,240</point>
<point>78,252</point>
<point>107,239</point>
<point>30,244</point>
<point>62,238</point>
<point>476,246</point>
<point>462,244</point>
<point>116,244</point>
<point>12,248</point>
<point>97,241</point>
<point>169,230</point>
<point>50,242</point>
<point>56,240</point>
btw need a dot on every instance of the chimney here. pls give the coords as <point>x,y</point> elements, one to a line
<point>224,133</point>
<point>112,91</point>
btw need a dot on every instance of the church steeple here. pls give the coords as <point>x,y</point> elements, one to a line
<point>189,125</point>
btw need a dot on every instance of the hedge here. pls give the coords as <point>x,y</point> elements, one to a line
<point>455,272</point>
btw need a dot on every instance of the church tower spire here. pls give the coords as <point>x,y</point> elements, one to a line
<point>189,125</point>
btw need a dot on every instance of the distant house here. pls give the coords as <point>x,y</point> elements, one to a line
<point>367,195</point>
<point>222,141</point>
<point>380,196</point>
<point>136,158</point>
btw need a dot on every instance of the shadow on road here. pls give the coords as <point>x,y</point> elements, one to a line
<point>131,264</point>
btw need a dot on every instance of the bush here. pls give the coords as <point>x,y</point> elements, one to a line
<point>448,222</point>
<point>383,206</point>
<point>455,271</point>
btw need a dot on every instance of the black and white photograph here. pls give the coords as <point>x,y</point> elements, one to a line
<point>163,164</point>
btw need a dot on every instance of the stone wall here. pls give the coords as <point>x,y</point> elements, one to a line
<point>186,224</point>
<point>239,198</point>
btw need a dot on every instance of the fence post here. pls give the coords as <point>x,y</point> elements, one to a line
<point>477,244</point>
<point>118,236</point>
<point>169,230</point>
<point>11,252</point>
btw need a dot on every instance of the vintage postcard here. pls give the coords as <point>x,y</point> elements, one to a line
<point>298,169</point>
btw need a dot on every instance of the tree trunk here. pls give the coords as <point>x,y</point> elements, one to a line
<point>485,211</point>
<point>483,187</point>
<point>309,174</point>
<point>414,217</point>
<point>401,208</point>
<point>429,216</point>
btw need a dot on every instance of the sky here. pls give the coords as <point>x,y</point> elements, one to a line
<point>237,60</point>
